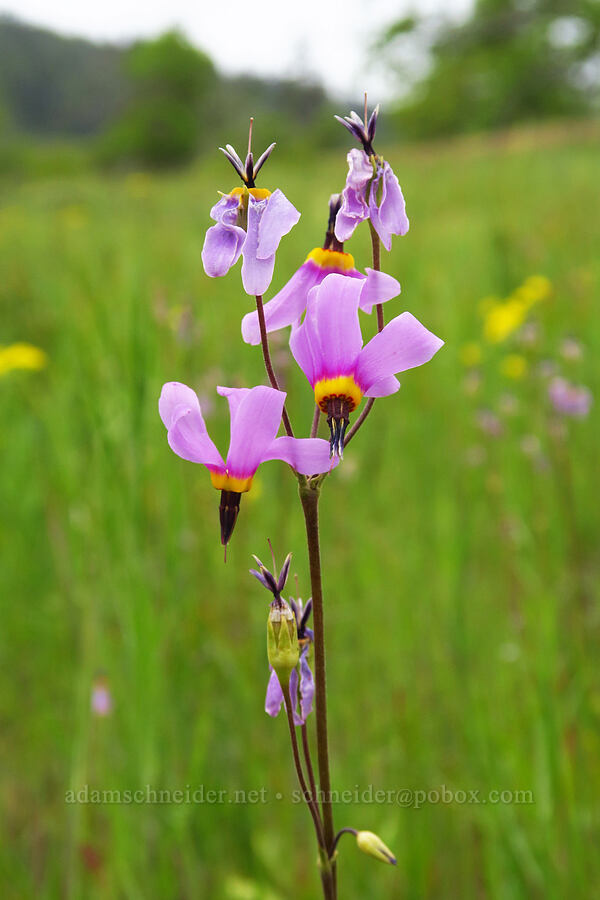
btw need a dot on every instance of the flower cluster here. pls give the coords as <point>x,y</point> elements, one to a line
<point>321,303</point>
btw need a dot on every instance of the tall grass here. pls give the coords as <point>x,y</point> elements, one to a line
<point>462,599</point>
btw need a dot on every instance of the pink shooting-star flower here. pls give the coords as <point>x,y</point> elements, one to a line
<point>288,306</point>
<point>255,418</point>
<point>328,347</point>
<point>250,223</point>
<point>372,190</point>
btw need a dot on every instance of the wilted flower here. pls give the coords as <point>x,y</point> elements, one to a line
<point>301,707</point>
<point>328,347</point>
<point>288,305</point>
<point>570,399</point>
<point>282,611</point>
<point>372,190</point>
<point>255,418</point>
<point>250,222</point>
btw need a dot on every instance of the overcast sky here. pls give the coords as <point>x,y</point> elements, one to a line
<point>328,39</point>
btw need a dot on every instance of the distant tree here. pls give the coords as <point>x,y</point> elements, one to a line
<point>53,85</point>
<point>171,83</point>
<point>511,60</point>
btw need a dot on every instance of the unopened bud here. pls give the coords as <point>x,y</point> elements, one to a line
<point>282,640</point>
<point>374,846</point>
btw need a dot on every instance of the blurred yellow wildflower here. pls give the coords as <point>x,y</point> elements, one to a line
<point>503,317</point>
<point>514,366</point>
<point>21,356</point>
<point>470,354</point>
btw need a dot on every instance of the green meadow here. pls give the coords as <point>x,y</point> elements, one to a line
<point>461,560</point>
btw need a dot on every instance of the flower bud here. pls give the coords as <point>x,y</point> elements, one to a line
<point>374,846</point>
<point>282,640</point>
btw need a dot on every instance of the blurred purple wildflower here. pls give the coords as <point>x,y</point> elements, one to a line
<point>569,399</point>
<point>101,700</point>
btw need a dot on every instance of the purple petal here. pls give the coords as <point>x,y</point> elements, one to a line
<point>253,429</point>
<point>378,288</point>
<point>332,326</point>
<point>307,688</point>
<point>256,273</point>
<point>287,305</point>
<point>274,698</point>
<point>384,387</point>
<point>278,219</point>
<point>179,409</point>
<point>222,248</point>
<point>309,456</point>
<point>388,216</point>
<point>351,213</point>
<point>403,344</point>
<point>360,170</point>
<point>234,398</point>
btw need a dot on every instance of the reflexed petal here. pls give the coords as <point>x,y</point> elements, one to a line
<point>352,212</point>
<point>403,344</point>
<point>302,351</point>
<point>278,219</point>
<point>253,429</point>
<point>222,248</point>
<point>332,325</point>
<point>307,688</point>
<point>286,306</point>
<point>234,398</point>
<point>378,288</point>
<point>256,273</point>
<point>274,697</point>
<point>309,456</point>
<point>179,409</point>
<point>384,387</point>
<point>360,170</point>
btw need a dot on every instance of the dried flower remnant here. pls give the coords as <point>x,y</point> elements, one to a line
<point>569,399</point>
<point>250,223</point>
<point>328,347</point>
<point>372,190</point>
<point>255,418</point>
<point>289,304</point>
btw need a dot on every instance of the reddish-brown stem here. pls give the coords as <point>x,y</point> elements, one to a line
<point>376,246</point>
<point>315,422</point>
<point>264,340</point>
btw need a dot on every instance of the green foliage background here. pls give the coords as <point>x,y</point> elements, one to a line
<point>462,601</point>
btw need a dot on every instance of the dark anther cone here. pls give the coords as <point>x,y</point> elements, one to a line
<point>229,508</point>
